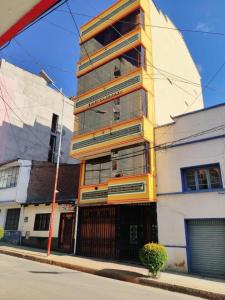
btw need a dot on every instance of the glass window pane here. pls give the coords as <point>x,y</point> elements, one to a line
<point>190,180</point>
<point>202,179</point>
<point>215,178</point>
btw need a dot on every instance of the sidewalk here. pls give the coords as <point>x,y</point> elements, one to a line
<point>206,288</point>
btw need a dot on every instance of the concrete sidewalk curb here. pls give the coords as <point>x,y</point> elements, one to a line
<point>118,275</point>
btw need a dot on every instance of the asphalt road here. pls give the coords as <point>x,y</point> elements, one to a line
<point>22,279</point>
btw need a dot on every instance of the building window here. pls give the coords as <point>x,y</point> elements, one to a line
<point>117,72</point>
<point>131,160</point>
<point>53,137</point>
<point>97,170</point>
<point>52,148</point>
<point>42,222</point>
<point>116,115</point>
<point>202,178</point>
<point>54,125</point>
<point>12,219</point>
<point>8,177</point>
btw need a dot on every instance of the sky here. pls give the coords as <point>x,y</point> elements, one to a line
<point>52,43</point>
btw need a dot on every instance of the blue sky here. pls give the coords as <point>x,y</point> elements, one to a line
<point>49,46</point>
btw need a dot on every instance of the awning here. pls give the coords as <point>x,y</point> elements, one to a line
<point>17,15</point>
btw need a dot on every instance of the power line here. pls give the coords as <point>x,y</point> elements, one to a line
<point>147,25</point>
<point>208,83</point>
<point>200,133</point>
<point>78,31</point>
<point>12,129</point>
<point>37,62</point>
<point>168,144</point>
<point>164,146</point>
<point>122,35</point>
<point>37,137</point>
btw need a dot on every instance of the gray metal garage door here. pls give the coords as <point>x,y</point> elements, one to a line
<point>206,246</point>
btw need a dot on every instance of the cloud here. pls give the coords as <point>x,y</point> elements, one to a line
<point>203,27</point>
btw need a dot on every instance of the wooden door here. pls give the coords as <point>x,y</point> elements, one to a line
<point>96,232</point>
<point>66,231</point>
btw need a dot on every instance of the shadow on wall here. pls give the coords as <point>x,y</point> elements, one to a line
<point>30,142</point>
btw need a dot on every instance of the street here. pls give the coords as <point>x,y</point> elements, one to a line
<point>27,280</point>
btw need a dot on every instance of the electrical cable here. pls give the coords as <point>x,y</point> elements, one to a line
<point>78,31</point>
<point>10,124</point>
<point>208,83</point>
<point>37,137</point>
<point>147,25</point>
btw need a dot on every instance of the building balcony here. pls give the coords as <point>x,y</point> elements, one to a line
<point>120,46</point>
<point>113,89</point>
<point>108,17</point>
<point>119,135</point>
<point>134,189</point>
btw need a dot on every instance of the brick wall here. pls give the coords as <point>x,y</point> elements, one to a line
<point>42,177</point>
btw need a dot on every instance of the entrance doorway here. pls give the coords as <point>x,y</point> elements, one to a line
<point>66,232</point>
<point>115,231</point>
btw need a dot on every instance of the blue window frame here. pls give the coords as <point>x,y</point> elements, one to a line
<point>200,178</point>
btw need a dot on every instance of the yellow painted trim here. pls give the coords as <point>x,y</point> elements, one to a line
<point>113,55</point>
<point>113,127</point>
<point>147,124</point>
<point>142,84</point>
<point>146,196</point>
<point>107,23</point>
<point>89,151</point>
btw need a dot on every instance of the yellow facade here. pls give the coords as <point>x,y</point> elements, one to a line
<point>126,133</point>
<point>130,189</point>
<point>139,188</point>
<point>108,17</point>
<point>137,79</point>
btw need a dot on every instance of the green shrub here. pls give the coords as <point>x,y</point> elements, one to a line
<point>154,258</point>
<point>1,233</point>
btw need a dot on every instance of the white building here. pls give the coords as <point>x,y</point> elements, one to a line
<point>177,79</point>
<point>30,116</point>
<point>14,181</point>
<point>26,189</point>
<point>30,119</point>
<point>190,161</point>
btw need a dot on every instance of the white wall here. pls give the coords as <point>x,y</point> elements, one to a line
<point>33,102</point>
<point>174,209</point>
<point>30,212</point>
<point>169,161</point>
<point>19,192</point>
<point>171,55</point>
<point>174,206</point>
<point>3,212</point>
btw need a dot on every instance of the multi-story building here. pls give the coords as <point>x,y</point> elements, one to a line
<point>30,120</point>
<point>30,117</point>
<point>26,189</point>
<point>131,77</point>
<point>191,194</point>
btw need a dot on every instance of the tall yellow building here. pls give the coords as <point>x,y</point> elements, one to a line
<point>130,79</point>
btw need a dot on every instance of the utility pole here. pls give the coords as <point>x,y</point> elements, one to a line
<point>51,225</point>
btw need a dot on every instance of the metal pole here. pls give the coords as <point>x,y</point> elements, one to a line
<point>55,183</point>
<point>75,231</point>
